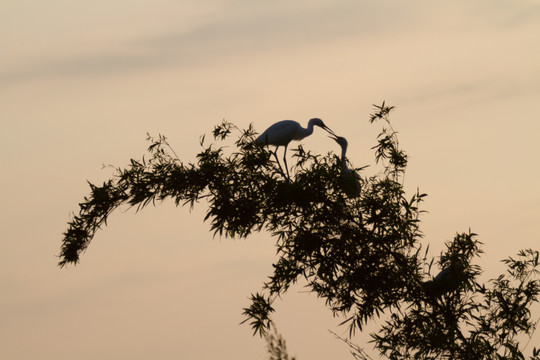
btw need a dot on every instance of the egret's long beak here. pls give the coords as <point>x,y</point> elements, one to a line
<point>329,130</point>
<point>334,137</point>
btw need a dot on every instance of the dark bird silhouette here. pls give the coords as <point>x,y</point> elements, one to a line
<point>285,131</point>
<point>446,281</point>
<point>350,178</point>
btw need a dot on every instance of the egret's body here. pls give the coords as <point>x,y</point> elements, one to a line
<point>447,280</point>
<point>285,131</point>
<point>351,184</point>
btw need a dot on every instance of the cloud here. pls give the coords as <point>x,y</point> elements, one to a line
<point>469,92</point>
<point>243,28</point>
<point>504,13</point>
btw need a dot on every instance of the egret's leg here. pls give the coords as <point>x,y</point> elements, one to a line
<point>275,155</point>
<point>277,161</point>
<point>285,161</point>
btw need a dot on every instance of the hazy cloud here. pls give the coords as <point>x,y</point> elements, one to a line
<point>504,13</point>
<point>245,27</point>
<point>465,93</point>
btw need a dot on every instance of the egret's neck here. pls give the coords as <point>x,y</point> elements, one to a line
<point>309,129</point>
<point>343,153</point>
<point>343,159</point>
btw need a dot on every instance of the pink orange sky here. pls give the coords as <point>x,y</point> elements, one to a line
<point>81,83</point>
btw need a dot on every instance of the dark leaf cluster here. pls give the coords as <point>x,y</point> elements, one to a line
<point>468,320</point>
<point>361,254</point>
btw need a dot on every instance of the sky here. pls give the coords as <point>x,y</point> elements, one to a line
<point>82,83</point>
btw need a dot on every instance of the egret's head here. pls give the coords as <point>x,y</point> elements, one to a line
<point>341,141</point>
<point>318,122</point>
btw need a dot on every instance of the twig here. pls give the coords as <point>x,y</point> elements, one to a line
<point>356,351</point>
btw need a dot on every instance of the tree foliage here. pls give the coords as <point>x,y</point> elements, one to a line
<point>276,346</point>
<point>362,255</point>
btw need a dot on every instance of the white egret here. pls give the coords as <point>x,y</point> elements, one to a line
<point>285,131</point>
<point>447,280</point>
<point>351,183</point>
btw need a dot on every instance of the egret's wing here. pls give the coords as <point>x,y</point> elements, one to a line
<point>278,133</point>
<point>282,126</point>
